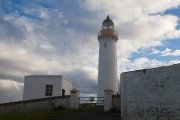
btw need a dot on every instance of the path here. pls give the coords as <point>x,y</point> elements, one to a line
<point>87,115</point>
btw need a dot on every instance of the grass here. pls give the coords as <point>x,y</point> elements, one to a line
<point>34,115</point>
<point>40,115</point>
<point>87,107</point>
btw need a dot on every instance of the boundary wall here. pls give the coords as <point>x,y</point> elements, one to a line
<point>116,102</point>
<point>35,105</point>
<point>151,94</point>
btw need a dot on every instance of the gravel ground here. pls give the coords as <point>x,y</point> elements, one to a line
<point>88,115</point>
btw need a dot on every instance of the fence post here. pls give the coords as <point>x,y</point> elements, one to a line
<point>74,99</point>
<point>108,99</point>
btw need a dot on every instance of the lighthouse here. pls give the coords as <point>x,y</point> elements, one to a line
<point>107,69</point>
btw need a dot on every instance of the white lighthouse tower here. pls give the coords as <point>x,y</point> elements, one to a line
<point>107,71</point>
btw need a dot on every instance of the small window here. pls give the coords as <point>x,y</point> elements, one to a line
<point>49,90</point>
<point>104,44</point>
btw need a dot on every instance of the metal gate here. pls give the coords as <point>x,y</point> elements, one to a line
<point>91,100</point>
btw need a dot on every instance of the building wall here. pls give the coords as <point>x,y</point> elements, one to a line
<point>151,94</point>
<point>67,85</point>
<point>27,92</point>
<point>107,71</point>
<point>44,104</point>
<point>35,86</point>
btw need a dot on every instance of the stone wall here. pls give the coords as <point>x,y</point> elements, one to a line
<point>151,94</point>
<point>116,101</point>
<point>44,104</point>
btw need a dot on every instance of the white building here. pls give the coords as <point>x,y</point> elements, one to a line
<point>107,71</point>
<point>40,86</point>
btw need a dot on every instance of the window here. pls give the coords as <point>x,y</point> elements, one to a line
<point>49,90</point>
<point>104,44</point>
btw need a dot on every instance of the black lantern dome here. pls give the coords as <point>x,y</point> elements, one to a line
<point>108,23</point>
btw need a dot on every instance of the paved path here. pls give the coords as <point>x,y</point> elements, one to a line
<point>87,115</point>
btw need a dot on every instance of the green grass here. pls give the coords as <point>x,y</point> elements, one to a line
<point>34,115</point>
<point>40,115</point>
<point>87,107</point>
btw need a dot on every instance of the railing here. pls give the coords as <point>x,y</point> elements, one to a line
<point>107,33</point>
<point>91,100</point>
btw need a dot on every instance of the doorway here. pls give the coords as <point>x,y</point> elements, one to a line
<point>63,92</point>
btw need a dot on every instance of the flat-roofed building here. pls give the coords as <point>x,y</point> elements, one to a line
<point>40,86</point>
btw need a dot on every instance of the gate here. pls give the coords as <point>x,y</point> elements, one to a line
<point>93,101</point>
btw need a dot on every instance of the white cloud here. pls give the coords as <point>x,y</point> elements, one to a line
<point>168,52</point>
<point>128,10</point>
<point>154,51</point>
<point>140,61</point>
<point>144,33</point>
<point>144,26</point>
<point>143,63</point>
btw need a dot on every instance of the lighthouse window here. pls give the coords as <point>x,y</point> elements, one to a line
<point>104,44</point>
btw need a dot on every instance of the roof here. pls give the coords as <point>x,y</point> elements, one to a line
<point>108,21</point>
<point>43,76</point>
<point>49,76</point>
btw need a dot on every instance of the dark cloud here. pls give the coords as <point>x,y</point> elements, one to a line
<point>3,98</point>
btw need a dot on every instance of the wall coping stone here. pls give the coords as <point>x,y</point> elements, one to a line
<point>75,90</point>
<point>108,89</point>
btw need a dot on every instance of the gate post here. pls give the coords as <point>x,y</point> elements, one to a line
<point>108,99</point>
<point>74,98</point>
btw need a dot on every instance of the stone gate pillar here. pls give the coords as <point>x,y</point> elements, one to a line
<point>74,98</point>
<point>108,99</point>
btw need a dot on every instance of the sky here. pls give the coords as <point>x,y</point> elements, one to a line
<point>59,37</point>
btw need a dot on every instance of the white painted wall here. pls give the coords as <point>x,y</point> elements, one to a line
<point>107,71</point>
<point>35,86</point>
<point>66,85</point>
<point>151,94</point>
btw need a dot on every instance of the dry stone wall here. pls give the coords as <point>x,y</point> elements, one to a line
<point>151,94</point>
<point>44,104</point>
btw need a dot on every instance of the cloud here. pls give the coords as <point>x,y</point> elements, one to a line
<point>10,29</point>
<point>144,26</point>
<point>135,9</point>
<point>154,51</point>
<point>60,37</point>
<point>165,51</point>
<point>168,52</point>
<point>10,90</point>
<point>145,33</point>
<point>143,63</point>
